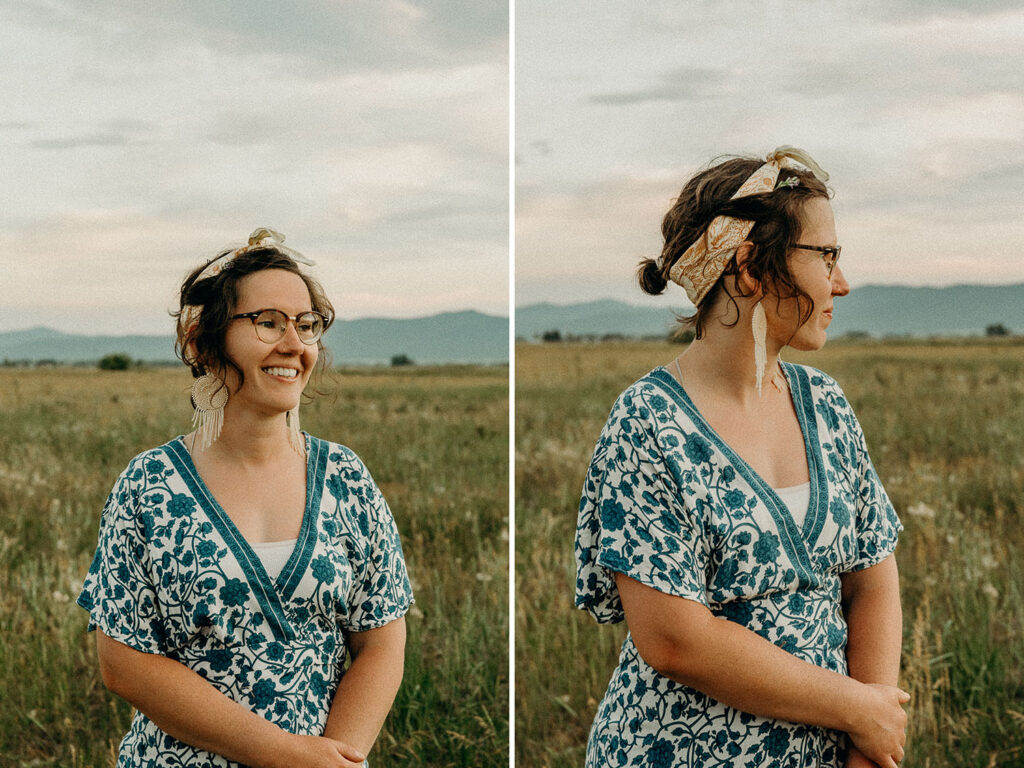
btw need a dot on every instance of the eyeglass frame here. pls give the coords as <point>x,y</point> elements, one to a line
<point>325,321</point>
<point>825,251</point>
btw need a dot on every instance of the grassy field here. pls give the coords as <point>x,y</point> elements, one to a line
<point>945,427</point>
<point>436,440</point>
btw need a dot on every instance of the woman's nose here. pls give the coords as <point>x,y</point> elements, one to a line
<point>290,340</point>
<point>839,285</point>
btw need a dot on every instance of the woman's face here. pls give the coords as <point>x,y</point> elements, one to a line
<point>810,273</point>
<point>275,374</point>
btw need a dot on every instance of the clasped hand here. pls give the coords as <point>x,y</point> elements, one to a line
<point>879,731</point>
<point>322,752</point>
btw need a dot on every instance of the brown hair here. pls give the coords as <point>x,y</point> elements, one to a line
<point>201,345</point>
<point>777,225</point>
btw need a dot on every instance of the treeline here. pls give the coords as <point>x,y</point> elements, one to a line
<point>996,330</point>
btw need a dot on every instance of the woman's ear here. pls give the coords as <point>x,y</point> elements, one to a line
<point>747,283</point>
<point>190,352</point>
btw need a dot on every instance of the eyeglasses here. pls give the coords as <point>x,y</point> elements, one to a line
<point>829,254</point>
<point>272,324</point>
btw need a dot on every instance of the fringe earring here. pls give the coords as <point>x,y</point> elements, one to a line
<point>210,395</point>
<point>759,326</point>
<point>295,439</point>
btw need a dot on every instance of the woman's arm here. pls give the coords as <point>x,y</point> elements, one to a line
<point>182,703</point>
<point>871,603</point>
<point>684,641</point>
<point>368,687</point>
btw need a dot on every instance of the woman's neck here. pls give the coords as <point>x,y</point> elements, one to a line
<point>722,360</point>
<point>251,439</point>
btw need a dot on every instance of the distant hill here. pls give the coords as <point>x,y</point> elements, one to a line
<point>452,337</point>
<point>594,318</point>
<point>879,310</point>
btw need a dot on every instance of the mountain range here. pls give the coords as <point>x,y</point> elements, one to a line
<point>451,337</point>
<point>474,337</point>
<point>877,310</point>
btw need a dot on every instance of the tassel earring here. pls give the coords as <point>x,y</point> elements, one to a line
<point>295,439</point>
<point>759,326</point>
<point>210,395</point>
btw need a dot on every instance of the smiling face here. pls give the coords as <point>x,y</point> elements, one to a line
<point>274,374</point>
<point>810,273</point>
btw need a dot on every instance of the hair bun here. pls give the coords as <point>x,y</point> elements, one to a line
<point>651,279</point>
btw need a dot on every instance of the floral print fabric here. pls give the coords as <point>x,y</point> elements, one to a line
<point>668,503</point>
<point>173,576</point>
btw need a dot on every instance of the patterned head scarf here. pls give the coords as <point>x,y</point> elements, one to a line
<point>699,268</point>
<point>261,238</point>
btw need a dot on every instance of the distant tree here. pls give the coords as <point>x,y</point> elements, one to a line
<point>996,329</point>
<point>115,362</point>
<point>684,336</point>
<point>397,360</point>
<point>854,335</point>
<point>554,335</point>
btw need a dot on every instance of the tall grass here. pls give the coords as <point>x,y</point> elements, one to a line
<point>945,427</point>
<point>436,441</point>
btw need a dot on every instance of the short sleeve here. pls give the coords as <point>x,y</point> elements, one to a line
<point>632,519</point>
<point>118,592</point>
<point>878,525</point>
<point>381,591</point>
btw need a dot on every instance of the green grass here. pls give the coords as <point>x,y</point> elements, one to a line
<point>945,427</point>
<point>436,441</point>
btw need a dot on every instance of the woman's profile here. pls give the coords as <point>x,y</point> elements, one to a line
<point>240,566</point>
<point>731,514</point>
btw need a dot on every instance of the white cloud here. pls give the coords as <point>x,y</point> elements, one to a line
<point>142,139</point>
<point>914,108</point>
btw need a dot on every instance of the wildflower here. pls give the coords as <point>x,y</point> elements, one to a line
<point>921,510</point>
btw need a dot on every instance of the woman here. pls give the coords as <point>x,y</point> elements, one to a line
<point>730,485</point>
<point>239,565</point>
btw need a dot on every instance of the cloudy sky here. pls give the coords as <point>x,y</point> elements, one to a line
<point>138,139</point>
<point>915,108</point>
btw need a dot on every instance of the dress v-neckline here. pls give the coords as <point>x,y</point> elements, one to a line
<point>271,594</point>
<point>797,540</point>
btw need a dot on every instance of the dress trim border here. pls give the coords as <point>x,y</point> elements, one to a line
<point>255,574</point>
<point>290,576</point>
<point>790,535</point>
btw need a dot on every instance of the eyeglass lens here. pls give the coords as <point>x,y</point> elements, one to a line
<point>829,254</point>
<point>831,257</point>
<point>272,324</point>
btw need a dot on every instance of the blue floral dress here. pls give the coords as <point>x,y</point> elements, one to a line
<point>173,576</point>
<point>668,503</point>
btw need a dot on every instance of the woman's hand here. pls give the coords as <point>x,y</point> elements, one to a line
<point>855,759</point>
<point>879,732</point>
<point>321,752</point>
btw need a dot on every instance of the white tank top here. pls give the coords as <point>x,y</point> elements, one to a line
<point>796,497</point>
<point>274,555</point>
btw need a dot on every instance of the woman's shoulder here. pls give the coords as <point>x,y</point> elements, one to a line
<point>338,460</point>
<point>825,395</point>
<point>637,397</point>
<point>642,409</point>
<point>333,452</point>
<point>153,459</point>
<point>815,378</point>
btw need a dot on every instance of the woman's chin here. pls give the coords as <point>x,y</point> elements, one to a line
<point>808,342</point>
